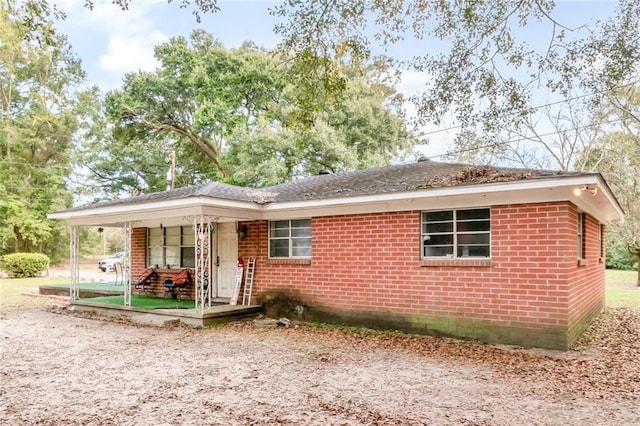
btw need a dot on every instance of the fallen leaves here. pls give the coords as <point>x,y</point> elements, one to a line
<point>604,364</point>
<point>476,175</point>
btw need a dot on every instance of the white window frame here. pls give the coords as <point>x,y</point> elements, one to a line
<point>187,240</point>
<point>454,232</point>
<point>290,238</point>
<point>580,235</point>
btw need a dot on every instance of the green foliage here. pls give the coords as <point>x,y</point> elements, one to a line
<point>366,129</point>
<point>621,259</point>
<point>25,265</point>
<point>200,94</point>
<point>37,82</point>
<point>233,115</point>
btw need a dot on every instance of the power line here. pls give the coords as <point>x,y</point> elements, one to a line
<point>524,138</point>
<point>433,132</point>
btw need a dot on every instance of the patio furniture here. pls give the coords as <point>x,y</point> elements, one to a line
<point>144,281</point>
<point>176,284</point>
<point>119,273</point>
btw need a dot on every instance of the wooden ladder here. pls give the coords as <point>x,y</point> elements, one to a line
<point>248,282</point>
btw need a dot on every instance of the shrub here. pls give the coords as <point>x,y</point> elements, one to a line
<point>621,259</point>
<point>22,265</point>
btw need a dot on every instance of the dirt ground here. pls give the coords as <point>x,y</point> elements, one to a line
<point>61,368</point>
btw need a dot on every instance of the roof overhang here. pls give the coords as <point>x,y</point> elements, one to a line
<point>602,205</point>
<point>167,212</point>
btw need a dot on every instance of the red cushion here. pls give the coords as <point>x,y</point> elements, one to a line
<point>146,274</point>
<point>181,278</point>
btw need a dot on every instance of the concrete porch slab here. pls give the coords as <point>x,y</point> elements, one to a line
<point>164,317</point>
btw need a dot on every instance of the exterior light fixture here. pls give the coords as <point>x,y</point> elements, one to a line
<point>243,230</point>
<point>585,188</point>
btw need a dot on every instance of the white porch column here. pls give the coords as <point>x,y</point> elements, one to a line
<point>202,244</point>
<point>126,268</point>
<point>74,289</point>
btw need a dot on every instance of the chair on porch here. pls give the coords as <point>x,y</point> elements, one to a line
<point>176,284</point>
<point>119,273</point>
<point>144,281</point>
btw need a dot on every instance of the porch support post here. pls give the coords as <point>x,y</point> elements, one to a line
<point>209,261</point>
<point>126,268</point>
<point>74,289</point>
<point>201,232</point>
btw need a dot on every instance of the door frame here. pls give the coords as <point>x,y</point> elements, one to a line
<point>217,261</point>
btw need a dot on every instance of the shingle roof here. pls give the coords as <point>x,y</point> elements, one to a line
<point>211,189</point>
<point>398,178</point>
<point>420,175</point>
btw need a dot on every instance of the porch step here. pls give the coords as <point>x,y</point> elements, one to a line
<point>155,320</point>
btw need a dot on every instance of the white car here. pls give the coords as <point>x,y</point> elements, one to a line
<point>107,265</point>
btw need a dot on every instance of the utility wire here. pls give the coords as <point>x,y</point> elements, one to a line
<point>524,138</point>
<point>433,132</point>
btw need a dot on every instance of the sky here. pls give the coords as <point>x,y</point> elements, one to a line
<point>111,42</point>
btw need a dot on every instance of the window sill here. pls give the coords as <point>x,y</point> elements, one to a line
<point>288,261</point>
<point>482,263</point>
<point>582,262</point>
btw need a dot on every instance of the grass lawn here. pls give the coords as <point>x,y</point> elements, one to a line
<point>13,290</point>
<point>622,289</point>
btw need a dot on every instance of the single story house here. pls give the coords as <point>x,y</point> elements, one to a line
<point>497,254</point>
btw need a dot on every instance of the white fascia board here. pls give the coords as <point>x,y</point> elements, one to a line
<point>181,207</point>
<point>437,192</point>
<point>514,192</point>
<point>603,206</point>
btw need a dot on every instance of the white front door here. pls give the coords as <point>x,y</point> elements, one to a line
<point>227,241</point>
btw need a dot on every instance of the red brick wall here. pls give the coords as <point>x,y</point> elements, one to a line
<point>586,280</point>
<point>139,264</point>
<point>369,265</point>
<point>138,250</point>
<point>533,290</point>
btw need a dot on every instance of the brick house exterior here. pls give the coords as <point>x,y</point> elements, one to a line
<point>536,278</point>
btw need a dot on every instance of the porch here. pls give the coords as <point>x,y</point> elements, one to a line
<point>107,299</point>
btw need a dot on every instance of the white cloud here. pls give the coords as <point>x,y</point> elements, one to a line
<point>121,41</point>
<point>126,53</point>
<point>131,36</point>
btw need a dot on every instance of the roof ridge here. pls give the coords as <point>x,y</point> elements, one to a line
<point>205,187</point>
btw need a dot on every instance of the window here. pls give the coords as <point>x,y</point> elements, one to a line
<point>173,246</point>
<point>602,239</point>
<point>580,234</point>
<point>290,238</point>
<point>456,233</point>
